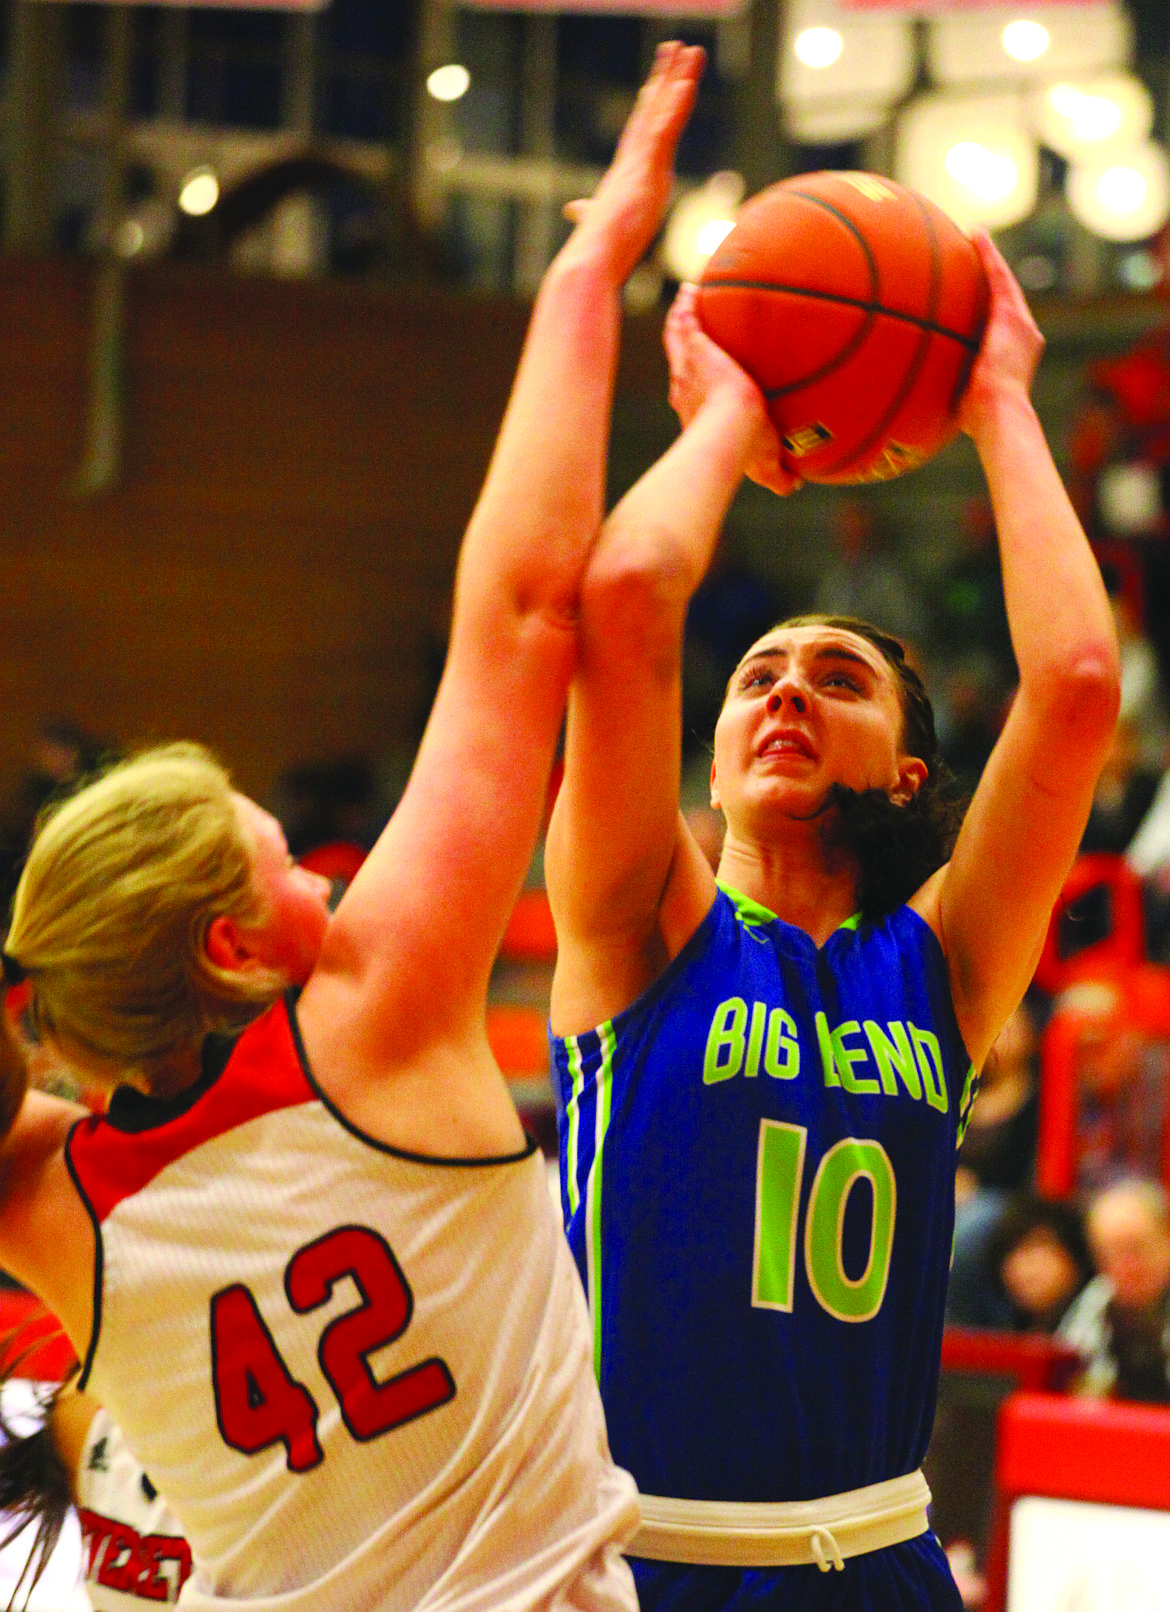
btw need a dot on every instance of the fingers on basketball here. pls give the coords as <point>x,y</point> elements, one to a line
<point>1005,288</point>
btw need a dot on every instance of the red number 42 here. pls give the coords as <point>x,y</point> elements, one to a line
<point>259,1402</point>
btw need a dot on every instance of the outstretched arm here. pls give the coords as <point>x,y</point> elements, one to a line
<point>627,883</point>
<point>413,941</point>
<point>990,906</point>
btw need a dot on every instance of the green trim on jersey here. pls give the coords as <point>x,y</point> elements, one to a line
<point>573,1115</point>
<point>967,1102</point>
<point>754,915</point>
<point>593,1186</point>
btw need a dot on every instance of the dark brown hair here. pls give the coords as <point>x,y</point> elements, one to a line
<point>896,847</point>
<point>35,1487</point>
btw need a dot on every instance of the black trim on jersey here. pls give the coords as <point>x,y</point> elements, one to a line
<point>132,1111</point>
<point>98,1262</point>
<point>533,1146</point>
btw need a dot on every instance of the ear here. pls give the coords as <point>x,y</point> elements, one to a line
<point>714,787</point>
<point>224,943</point>
<point>912,774</point>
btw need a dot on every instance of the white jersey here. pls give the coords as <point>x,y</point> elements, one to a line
<point>362,1378</point>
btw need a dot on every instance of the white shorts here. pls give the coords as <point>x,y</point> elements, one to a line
<point>133,1551</point>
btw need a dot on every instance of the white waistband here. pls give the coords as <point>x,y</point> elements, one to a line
<point>795,1533</point>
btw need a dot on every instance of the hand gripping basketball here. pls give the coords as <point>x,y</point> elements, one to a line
<point>697,367</point>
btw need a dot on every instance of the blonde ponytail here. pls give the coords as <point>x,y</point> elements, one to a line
<point>111,914</point>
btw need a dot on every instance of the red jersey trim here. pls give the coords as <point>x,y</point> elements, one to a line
<point>263,1073</point>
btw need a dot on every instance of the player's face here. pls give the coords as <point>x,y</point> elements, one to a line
<point>295,901</point>
<point>809,707</point>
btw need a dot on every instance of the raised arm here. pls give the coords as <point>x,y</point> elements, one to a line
<point>991,904</point>
<point>414,939</point>
<point>627,883</point>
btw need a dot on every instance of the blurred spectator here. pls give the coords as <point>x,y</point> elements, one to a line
<point>1122,1077</point>
<point>1039,1261</point>
<point>973,666</point>
<point>1124,794</point>
<point>1121,1322</point>
<point>1124,422</point>
<point>732,607</point>
<point>322,802</point>
<point>997,1158</point>
<point>1148,854</point>
<point>972,624</point>
<point>1143,705</point>
<point>970,712</point>
<point>999,1149</point>
<point>63,756</point>
<point>866,578</point>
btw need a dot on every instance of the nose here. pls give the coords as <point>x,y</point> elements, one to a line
<point>786,689</point>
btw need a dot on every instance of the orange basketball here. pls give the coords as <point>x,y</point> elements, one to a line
<point>858,307</point>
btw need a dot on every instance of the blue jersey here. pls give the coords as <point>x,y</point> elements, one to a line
<point>757,1166</point>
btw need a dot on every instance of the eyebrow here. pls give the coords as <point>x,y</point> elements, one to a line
<point>828,652</point>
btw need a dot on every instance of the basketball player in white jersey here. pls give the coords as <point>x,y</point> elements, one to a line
<point>311,1265</point>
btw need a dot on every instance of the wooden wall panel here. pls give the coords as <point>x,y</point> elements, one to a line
<point>300,461</point>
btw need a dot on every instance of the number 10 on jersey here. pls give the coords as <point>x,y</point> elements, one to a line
<point>780,1165</point>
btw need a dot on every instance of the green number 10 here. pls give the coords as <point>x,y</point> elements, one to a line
<point>779,1173</point>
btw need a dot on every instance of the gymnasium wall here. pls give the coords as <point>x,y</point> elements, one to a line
<point>274,569</point>
<point>272,573</point>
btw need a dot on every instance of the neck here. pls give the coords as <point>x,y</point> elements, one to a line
<point>799,882</point>
<point>168,1079</point>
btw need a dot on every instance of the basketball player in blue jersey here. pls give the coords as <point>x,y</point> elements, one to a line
<point>762,1076</point>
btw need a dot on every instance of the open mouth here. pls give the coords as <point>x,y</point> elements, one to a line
<point>786,744</point>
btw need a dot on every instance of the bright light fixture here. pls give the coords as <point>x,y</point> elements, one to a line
<point>1122,189</point>
<point>712,235</point>
<point>1091,117</point>
<point>840,70</point>
<point>829,122</point>
<point>698,222</point>
<point>449,83</point>
<point>199,191</point>
<point>971,156</point>
<point>1087,117</point>
<point>989,175</point>
<point>818,47</point>
<point>1024,41</point>
<point>984,43</point>
<point>1122,197</point>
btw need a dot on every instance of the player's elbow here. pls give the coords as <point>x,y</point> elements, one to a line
<point>634,599</point>
<point>1082,694</point>
<point>638,578</point>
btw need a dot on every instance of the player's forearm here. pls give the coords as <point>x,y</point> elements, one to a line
<point>676,510</point>
<point>1061,625</point>
<point>543,500</point>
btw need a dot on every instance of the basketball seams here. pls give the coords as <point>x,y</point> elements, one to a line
<point>842,217</point>
<point>917,361</point>
<point>839,298</point>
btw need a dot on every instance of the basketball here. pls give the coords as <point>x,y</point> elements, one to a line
<point>858,308</point>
